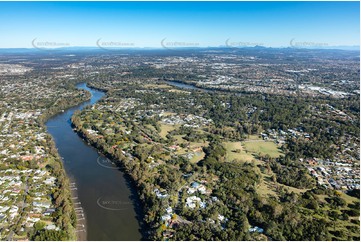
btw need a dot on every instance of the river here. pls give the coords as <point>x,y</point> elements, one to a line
<point>103,193</point>
<point>185,86</point>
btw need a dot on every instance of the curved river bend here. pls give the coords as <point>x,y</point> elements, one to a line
<point>103,193</point>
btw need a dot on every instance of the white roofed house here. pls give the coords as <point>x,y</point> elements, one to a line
<point>191,190</point>
<point>159,194</point>
<point>50,181</point>
<point>42,204</point>
<point>51,227</point>
<point>13,212</point>
<point>202,189</point>
<point>49,211</point>
<point>169,210</point>
<point>4,209</point>
<point>192,201</point>
<point>256,229</point>
<point>166,217</point>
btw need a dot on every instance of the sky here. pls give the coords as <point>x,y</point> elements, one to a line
<point>178,24</point>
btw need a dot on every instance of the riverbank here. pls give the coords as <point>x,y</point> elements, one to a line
<point>97,88</point>
<point>73,194</point>
<point>81,234</point>
<point>96,186</point>
<point>61,175</point>
<point>80,228</point>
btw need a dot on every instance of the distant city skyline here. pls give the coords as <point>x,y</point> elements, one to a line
<point>179,24</point>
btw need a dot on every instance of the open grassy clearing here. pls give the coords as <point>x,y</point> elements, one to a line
<point>179,138</point>
<point>254,137</point>
<point>165,128</point>
<point>150,127</point>
<point>168,114</point>
<point>266,187</point>
<point>348,198</point>
<point>197,148</point>
<point>197,157</point>
<point>235,150</point>
<point>193,147</point>
<point>262,147</point>
<point>178,91</point>
<point>293,189</point>
<point>269,187</point>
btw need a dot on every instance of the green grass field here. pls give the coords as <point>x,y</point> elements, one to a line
<point>231,148</point>
<point>165,128</point>
<point>197,157</point>
<point>348,198</point>
<point>262,147</point>
<point>150,127</point>
<point>268,186</point>
<point>254,137</point>
<point>179,138</point>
